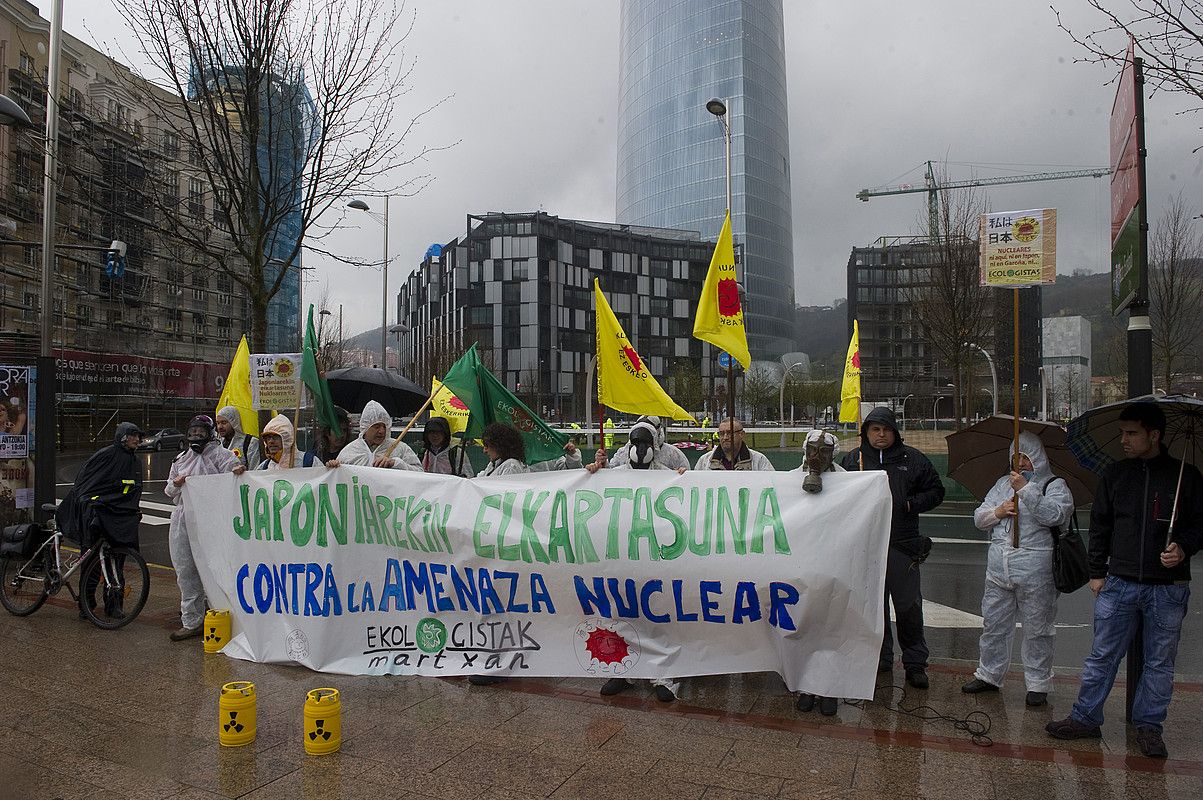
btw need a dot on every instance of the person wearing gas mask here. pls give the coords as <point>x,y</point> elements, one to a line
<point>666,455</point>
<point>645,449</point>
<point>231,437</point>
<point>642,449</point>
<point>371,449</point>
<point>1019,580</point>
<point>916,488</point>
<point>204,456</point>
<point>821,449</point>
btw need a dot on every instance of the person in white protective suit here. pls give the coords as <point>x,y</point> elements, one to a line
<point>279,447</point>
<point>231,436</point>
<point>204,456</point>
<point>642,450</point>
<point>506,452</point>
<point>666,455</point>
<point>371,449</point>
<point>1019,581</point>
<point>820,451</point>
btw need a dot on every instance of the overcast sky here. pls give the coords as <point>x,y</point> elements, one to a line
<point>876,87</point>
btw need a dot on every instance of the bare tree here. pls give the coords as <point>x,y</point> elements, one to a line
<point>282,108</point>
<point>1169,39</point>
<point>686,382</point>
<point>951,304</point>
<point>1175,289</point>
<point>759,390</point>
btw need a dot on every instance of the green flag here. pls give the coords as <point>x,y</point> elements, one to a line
<point>314,379</point>
<point>489,401</point>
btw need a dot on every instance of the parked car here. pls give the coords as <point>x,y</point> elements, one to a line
<point>163,439</point>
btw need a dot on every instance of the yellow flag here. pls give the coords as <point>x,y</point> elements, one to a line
<point>237,389</point>
<point>623,380</point>
<point>850,395</point>
<point>720,317</point>
<point>449,407</point>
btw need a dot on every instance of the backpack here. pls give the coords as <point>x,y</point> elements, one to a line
<point>1071,565</point>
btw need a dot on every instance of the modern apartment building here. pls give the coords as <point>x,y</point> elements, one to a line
<point>521,286</point>
<point>673,58</point>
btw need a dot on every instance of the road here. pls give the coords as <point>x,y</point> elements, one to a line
<point>952,579</point>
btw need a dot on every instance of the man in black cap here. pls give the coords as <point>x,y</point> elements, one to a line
<point>916,488</point>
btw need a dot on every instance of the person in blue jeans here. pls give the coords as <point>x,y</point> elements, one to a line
<point>1138,571</point>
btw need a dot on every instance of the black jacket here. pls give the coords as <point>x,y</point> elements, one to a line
<point>106,494</point>
<point>914,482</point>
<point>1131,517</point>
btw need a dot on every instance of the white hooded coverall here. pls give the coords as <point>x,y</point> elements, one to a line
<point>1019,581</point>
<point>213,460</point>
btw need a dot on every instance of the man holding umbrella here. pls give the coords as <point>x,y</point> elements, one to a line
<point>1139,568</point>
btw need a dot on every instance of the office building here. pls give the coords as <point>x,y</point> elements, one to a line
<point>521,287</point>
<point>673,58</point>
<point>1067,373</point>
<point>898,360</point>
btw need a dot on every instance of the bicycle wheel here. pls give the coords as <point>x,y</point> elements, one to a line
<point>23,586</point>
<point>113,596</point>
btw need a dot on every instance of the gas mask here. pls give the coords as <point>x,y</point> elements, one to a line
<point>197,439</point>
<point>200,432</point>
<point>820,455</point>
<point>643,447</point>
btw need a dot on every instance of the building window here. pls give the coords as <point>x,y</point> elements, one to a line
<point>171,144</point>
<point>27,64</point>
<point>196,197</point>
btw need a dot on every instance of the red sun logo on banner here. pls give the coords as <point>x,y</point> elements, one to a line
<point>728,297</point>
<point>606,646</point>
<point>457,404</point>
<point>856,359</point>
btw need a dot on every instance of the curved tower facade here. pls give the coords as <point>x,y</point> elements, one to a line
<point>675,55</point>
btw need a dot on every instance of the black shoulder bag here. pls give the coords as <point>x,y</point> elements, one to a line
<point>1070,563</point>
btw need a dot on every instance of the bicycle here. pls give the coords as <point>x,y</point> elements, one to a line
<point>26,582</point>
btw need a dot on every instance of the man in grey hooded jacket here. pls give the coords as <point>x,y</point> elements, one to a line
<point>1019,580</point>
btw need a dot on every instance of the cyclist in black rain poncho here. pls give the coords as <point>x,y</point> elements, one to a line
<point>105,496</point>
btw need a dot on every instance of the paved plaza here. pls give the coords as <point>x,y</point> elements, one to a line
<point>129,714</point>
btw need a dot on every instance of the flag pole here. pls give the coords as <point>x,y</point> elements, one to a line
<point>388,453</point>
<point>1015,408</point>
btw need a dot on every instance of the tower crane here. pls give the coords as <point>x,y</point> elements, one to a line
<point>931,187</point>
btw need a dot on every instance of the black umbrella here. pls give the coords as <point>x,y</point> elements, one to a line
<point>1094,436</point>
<point>353,387</point>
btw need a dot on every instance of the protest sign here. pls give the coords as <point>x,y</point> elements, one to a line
<point>1018,248</point>
<point>640,574</point>
<point>275,380</point>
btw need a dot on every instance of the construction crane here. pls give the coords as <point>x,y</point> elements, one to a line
<point>931,187</point>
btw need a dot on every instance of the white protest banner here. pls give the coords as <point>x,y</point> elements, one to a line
<point>641,574</point>
<point>275,380</point>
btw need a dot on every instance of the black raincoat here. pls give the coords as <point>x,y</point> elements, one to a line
<point>105,496</point>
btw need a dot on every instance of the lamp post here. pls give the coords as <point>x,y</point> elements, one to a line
<point>400,329</point>
<point>908,397</point>
<point>360,205</point>
<point>993,374</point>
<point>935,421</point>
<point>781,399</point>
<point>718,108</point>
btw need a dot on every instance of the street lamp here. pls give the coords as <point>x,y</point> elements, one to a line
<point>360,205</point>
<point>400,329</point>
<point>781,399</point>
<point>719,109</point>
<point>908,397</point>
<point>993,374</point>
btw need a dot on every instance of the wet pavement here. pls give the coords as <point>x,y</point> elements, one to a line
<point>129,714</point>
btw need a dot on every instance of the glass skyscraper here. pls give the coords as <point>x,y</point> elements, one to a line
<point>675,55</point>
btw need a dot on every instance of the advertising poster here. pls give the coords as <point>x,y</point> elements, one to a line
<point>16,442</point>
<point>275,380</point>
<point>1018,248</point>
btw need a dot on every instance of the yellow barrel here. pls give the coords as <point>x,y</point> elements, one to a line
<point>236,714</point>
<point>323,722</point>
<point>217,629</point>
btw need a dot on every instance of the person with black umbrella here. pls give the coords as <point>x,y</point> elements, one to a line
<point>1139,568</point>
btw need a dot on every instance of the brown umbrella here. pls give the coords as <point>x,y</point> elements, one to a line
<point>979,455</point>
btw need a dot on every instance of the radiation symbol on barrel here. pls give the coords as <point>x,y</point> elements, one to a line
<point>211,635</point>
<point>319,731</point>
<point>233,725</point>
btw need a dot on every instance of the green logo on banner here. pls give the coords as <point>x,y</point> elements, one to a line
<point>431,635</point>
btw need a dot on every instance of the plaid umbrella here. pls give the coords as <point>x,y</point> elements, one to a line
<point>979,455</point>
<point>1094,436</point>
